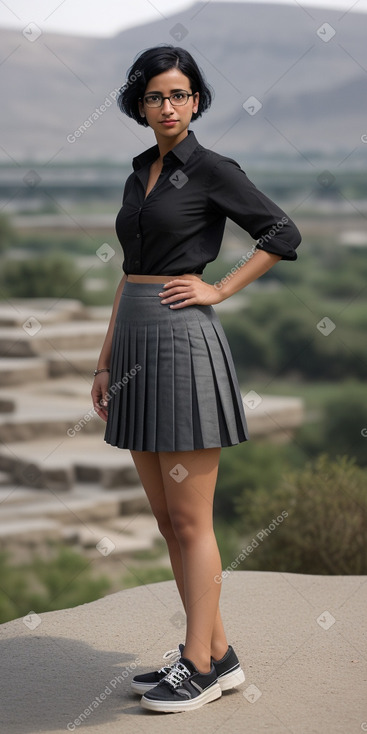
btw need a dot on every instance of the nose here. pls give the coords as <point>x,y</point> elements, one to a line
<point>166,106</point>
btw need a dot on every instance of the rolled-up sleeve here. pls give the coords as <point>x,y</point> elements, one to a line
<point>232,193</point>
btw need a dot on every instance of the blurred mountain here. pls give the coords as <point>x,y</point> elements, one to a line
<point>306,66</point>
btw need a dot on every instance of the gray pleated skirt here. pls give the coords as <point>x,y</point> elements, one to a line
<point>172,383</point>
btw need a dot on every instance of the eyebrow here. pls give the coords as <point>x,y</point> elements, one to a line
<point>153,91</point>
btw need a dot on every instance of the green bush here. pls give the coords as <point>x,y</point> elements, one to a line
<point>277,333</point>
<point>52,276</point>
<point>250,466</point>
<point>325,530</point>
<point>7,233</point>
<point>141,576</point>
<point>345,424</point>
<point>47,585</point>
<point>342,425</point>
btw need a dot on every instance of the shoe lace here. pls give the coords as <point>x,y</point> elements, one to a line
<point>177,674</point>
<point>174,655</point>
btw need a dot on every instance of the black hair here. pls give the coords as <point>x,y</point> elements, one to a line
<point>154,61</point>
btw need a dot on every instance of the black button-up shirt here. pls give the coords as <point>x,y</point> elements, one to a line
<point>178,228</point>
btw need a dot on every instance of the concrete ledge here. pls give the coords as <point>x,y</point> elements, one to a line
<point>305,673</point>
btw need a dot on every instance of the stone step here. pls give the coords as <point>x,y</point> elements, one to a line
<point>142,525</point>
<point>7,405</point>
<point>73,506</point>
<point>271,416</point>
<point>72,362</point>
<point>15,494</point>
<point>60,462</point>
<point>82,517</point>
<point>17,371</point>
<point>4,480</point>
<point>46,310</point>
<point>31,530</point>
<point>53,407</point>
<point>35,339</point>
<point>109,541</point>
<point>17,428</point>
<point>99,313</point>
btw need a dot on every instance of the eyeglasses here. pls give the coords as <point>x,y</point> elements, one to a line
<point>178,99</point>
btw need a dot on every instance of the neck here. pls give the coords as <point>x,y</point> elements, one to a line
<point>165,145</point>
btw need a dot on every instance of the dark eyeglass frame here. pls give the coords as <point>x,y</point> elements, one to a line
<point>169,98</point>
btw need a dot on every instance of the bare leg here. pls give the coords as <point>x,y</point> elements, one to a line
<point>149,469</point>
<point>190,507</point>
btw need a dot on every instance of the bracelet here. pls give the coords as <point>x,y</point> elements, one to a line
<point>104,369</point>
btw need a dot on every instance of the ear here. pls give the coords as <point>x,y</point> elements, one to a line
<point>195,99</point>
<point>141,108</point>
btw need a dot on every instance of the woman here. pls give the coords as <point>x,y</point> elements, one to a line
<point>165,382</point>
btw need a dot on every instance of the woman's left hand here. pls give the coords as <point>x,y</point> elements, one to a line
<point>192,291</point>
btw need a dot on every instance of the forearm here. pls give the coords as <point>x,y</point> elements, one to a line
<point>105,355</point>
<point>259,264</point>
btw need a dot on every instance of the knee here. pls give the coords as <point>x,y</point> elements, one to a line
<point>165,527</point>
<point>184,527</point>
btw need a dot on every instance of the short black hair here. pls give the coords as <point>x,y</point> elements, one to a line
<point>154,61</point>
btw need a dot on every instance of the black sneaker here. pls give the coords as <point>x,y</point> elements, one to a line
<point>228,669</point>
<point>146,681</point>
<point>184,688</point>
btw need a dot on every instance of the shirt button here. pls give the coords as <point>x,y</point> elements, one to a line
<point>138,235</point>
<point>136,262</point>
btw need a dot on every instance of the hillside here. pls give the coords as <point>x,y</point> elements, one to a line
<point>312,85</point>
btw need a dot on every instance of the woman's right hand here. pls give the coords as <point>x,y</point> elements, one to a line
<point>99,394</point>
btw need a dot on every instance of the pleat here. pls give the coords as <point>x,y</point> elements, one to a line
<point>204,385</point>
<point>227,403</point>
<point>236,401</point>
<point>165,387</point>
<point>183,418</point>
<point>124,413</point>
<point>129,387</point>
<point>116,367</point>
<point>151,402</point>
<point>140,379</point>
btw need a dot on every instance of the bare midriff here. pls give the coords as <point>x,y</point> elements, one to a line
<point>160,278</point>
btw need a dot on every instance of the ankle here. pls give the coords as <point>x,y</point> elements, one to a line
<point>219,651</point>
<point>203,664</point>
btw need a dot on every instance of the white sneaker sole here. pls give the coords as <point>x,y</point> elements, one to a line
<point>231,680</point>
<point>210,694</point>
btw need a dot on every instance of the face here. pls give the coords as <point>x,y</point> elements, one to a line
<point>166,84</point>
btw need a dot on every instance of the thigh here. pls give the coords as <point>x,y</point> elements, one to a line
<point>148,467</point>
<point>189,479</point>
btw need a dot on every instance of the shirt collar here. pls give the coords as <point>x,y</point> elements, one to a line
<point>181,151</point>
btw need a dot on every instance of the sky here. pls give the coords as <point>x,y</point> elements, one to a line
<point>91,18</point>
